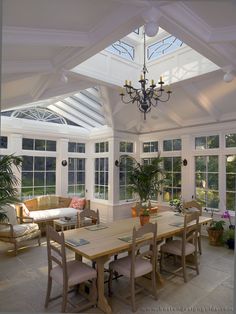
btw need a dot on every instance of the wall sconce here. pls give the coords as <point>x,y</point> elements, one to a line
<point>185,162</point>
<point>117,163</point>
<point>64,163</point>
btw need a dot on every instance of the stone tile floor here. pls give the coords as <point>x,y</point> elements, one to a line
<point>23,281</point>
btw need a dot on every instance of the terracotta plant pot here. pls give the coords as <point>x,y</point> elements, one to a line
<point>144,219</point>
<point>215,236</point>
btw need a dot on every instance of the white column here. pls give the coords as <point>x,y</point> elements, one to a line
<point>62,171</point>
<point>15,147</point>
<point>188,176</point>
<point>114,171</point>
<point>89,170</point>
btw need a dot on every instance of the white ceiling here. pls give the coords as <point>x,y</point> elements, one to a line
<point>44,39</point>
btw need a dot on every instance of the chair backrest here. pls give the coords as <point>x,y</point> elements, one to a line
<point>56,251</point>
<point>10,211</point>
<point>191,229</point>
<point>88,213</point>
<point>193,204</point>
<point>146,247</point>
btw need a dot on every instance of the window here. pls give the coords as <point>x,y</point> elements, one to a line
<point>125,192</point>
<point>38,144</point>
<point>122,49</point>
<point>207,142</point>
<point>206,180</point>
<point>76,147</point>
<point>126,147</point>
<point>231,182</point>
<point>76,176</point>
<point>171,145</point>
<point>230,140</point>
<point>101,147</point>
<point>150,147</point>
<point>147,161</point>
<point>101,178</point>
<point>3,142</point>
<point>38,176</point>
<point>172,170</point>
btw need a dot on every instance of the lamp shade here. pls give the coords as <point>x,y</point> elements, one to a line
<point>151,29</point>
<point>228,77</point>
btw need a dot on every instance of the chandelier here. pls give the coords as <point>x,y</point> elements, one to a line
<point>146,96</point>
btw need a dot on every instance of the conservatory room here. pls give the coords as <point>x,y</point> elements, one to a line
<point>118,156</point>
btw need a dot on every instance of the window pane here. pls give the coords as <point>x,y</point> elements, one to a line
<point>39,191</point>
<point>200,142</point>
<point>231,201</point>
<point>122,147</point>
<point>39,178</point>
<point>177,144</point>
<point>27,178</point>
<point>130,148</point>
<point>102,147</point>
<point>50,178</point>
<point>167,145</point>
<point>71,163</point>
<point>39,163</point>
<point>51,146</point>
<point>168,164</point>
<point>3,141</point>
<point>200,163</point>
<point>81,148</point>
<point>27,192</point>
<point>50,190</point>
<point>230,140</point>
<point>27,163</point>
<point>40,145</point>
<point>177,164</point>
<point>213,164</point>
<point>50,163</point>
<point>71,178</point>
<point>213,181</point>
<point>28,143</point>
<point>146,147</point>
<point>213,141</point>
<point>200,180</point>
<point>71,147</point>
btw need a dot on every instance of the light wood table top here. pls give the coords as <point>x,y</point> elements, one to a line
<point>105,243</point>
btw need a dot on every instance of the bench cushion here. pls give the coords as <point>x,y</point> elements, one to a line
<point>18,230</point>
<point>50,214</point>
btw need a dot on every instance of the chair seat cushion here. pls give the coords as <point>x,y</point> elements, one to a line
<point>123,266</point>
<point>50,214</point>
<point>77,272</point>
<point>18,230</point>
<point>175,247</point>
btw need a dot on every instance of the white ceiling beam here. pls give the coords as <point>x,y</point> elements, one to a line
<point>223,34</point>
<point>29,66</point>
<point>44,37</point>
<point>43,83</point>
<point>69,116</point>
<point>106,106</point>
<point>84,99</point>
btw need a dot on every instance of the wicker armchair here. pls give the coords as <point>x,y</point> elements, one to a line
<point>18,229</point>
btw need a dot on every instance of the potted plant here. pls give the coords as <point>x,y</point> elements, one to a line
<point>229,237</point>
<point>176,203</point>
<point>215,232</point>
<point>144,216</point>
<point>8,182</point>
<point>145,180</point>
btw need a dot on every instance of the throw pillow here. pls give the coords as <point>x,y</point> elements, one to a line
<point>78,203</point>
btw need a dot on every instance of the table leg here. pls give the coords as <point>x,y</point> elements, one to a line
<point>102,301</point>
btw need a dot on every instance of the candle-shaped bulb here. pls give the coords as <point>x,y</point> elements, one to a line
<point>126,82</point>
<point>141,77</point>
<point>152,82</point>
<point>160,78</point>
<point>129,83</point>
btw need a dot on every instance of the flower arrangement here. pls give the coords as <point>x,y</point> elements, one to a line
<point>229,234</point>
<point>176,203</point>
<point>226,214</point>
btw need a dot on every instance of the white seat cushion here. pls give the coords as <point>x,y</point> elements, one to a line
<point>175,247</point>
<point>18,230</point>
<point>77,272</point>
<point>123,266</point>
<point>50,214</point>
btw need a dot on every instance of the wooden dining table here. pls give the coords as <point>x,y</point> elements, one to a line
<point>101,242</point>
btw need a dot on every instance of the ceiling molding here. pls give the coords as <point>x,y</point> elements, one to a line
<point>40,36</point>
<point>223,34</point>
<point>29,66</point>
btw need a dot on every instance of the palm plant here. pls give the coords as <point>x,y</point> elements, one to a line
<point>8,182</point>
<point>146,179</point>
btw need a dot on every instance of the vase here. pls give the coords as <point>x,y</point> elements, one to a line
<point>230,243</point>
<point>215,236</point>
<point>144,219</point>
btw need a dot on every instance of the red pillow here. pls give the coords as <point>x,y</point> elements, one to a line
<point>78,203</point>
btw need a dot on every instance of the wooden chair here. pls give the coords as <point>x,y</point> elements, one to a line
<point>186,246</point>
<point>191,206</point>
<point>18,229</point>
<point>87,217</point>
<point>67,274</point>
<point>136,264</point>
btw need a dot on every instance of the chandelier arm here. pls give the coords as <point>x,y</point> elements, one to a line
<point>165,100</point>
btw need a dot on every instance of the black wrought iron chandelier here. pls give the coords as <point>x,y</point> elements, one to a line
<point>146,96</point>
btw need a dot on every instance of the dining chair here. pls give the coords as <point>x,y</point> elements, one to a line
<point>184,247</point>
<point>87,217</point>
<point>192,206</point>
<point>137,264</point>
<point>67,274</point>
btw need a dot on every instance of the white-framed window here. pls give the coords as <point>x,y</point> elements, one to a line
<point>147,161</point>
<point>102,147</point>
<point>76,147</point>
<point>231,182</point>
<point>150,147</point>
<point>76,176</point>
<point>172,171</point>
<point>207,180</point>
<point>3,142</point>
<point>172,145</point>
<point>101,178</point>
<point>126,147</point>
<point>38,176</point>
<point>207,142</point>
<point>230,140</point>
<point>125,192</point>
<point>39,144</point>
